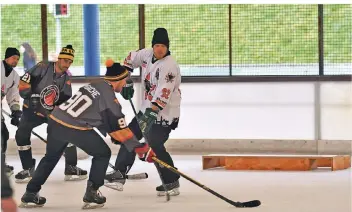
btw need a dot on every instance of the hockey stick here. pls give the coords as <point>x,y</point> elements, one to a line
<point>34,133</point>
<point>156,165</point>
<point>249,204</point>
<point>139,176</point>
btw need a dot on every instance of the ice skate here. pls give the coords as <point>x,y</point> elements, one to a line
<point>25,175</point>
<point>172,189</point>
<point>93,198</point>
<point>32,200</point>
<point>115,180</point>
<point>74,173</point>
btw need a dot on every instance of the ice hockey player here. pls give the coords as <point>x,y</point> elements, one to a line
<point>9,88</point>
<point>160,110</point>
<point>93,107</point>
<point>43,87</point>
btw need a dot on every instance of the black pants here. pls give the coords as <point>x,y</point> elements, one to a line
<point>30,120</point>
<point>4,138</point>
<point>156,138</point>
<point>58,138</point>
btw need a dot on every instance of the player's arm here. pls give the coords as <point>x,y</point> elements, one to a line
<point>114,122</point>
<point>13,96</point>
<point>121,133</point>
<point>13,100</point>
<point>27,80</point>
<point>135,59</point>
<point>65,92</point>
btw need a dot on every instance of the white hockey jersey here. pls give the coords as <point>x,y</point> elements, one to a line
<point>160,82</point>
<point>9,88</point>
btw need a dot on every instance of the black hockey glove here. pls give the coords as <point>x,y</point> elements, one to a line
<point>147,120</point>
<point>34,101</point>
<point>16,115</point>
<point>128,91</point>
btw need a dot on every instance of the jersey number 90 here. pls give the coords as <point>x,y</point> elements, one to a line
<point>77,104</point>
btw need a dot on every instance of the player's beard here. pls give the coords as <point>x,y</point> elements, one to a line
<point>63,69</point>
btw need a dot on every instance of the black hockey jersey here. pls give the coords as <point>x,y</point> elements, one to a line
<point>52,88</point>
<point>95,105</point>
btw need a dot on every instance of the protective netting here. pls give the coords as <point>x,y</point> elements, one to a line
<point>275,39</point>
<point>338,39</point>
<point>199,36</point>
<point>119,32</point>
<point>21,26</point>
<point>66,30</point>
<point>265,39</point>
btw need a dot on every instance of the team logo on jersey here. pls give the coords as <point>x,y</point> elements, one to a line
<point>49,96</point>
<point>144,64</point>
<point>157,74</point>
<point>147,83</point>
<point>170,77</point>
<point>166,93</point>
<point>149,88</point>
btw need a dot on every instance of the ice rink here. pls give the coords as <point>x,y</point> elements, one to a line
<point>313,191</point>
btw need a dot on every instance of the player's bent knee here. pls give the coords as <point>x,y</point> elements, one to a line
<point>23,136</point>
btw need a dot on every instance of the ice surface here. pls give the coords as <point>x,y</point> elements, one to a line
<point>314,191</point>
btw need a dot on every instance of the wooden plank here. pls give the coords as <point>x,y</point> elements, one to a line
<point>210,163</point>
<point>338,163</point>
<point>222,161</point>
<point>213,161</point>
<point>313,163</point>
<point>347,161</point>
<point>276,162</point>
<point>324,161</point>
<point>272,155</point>
<point>269,163</point>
